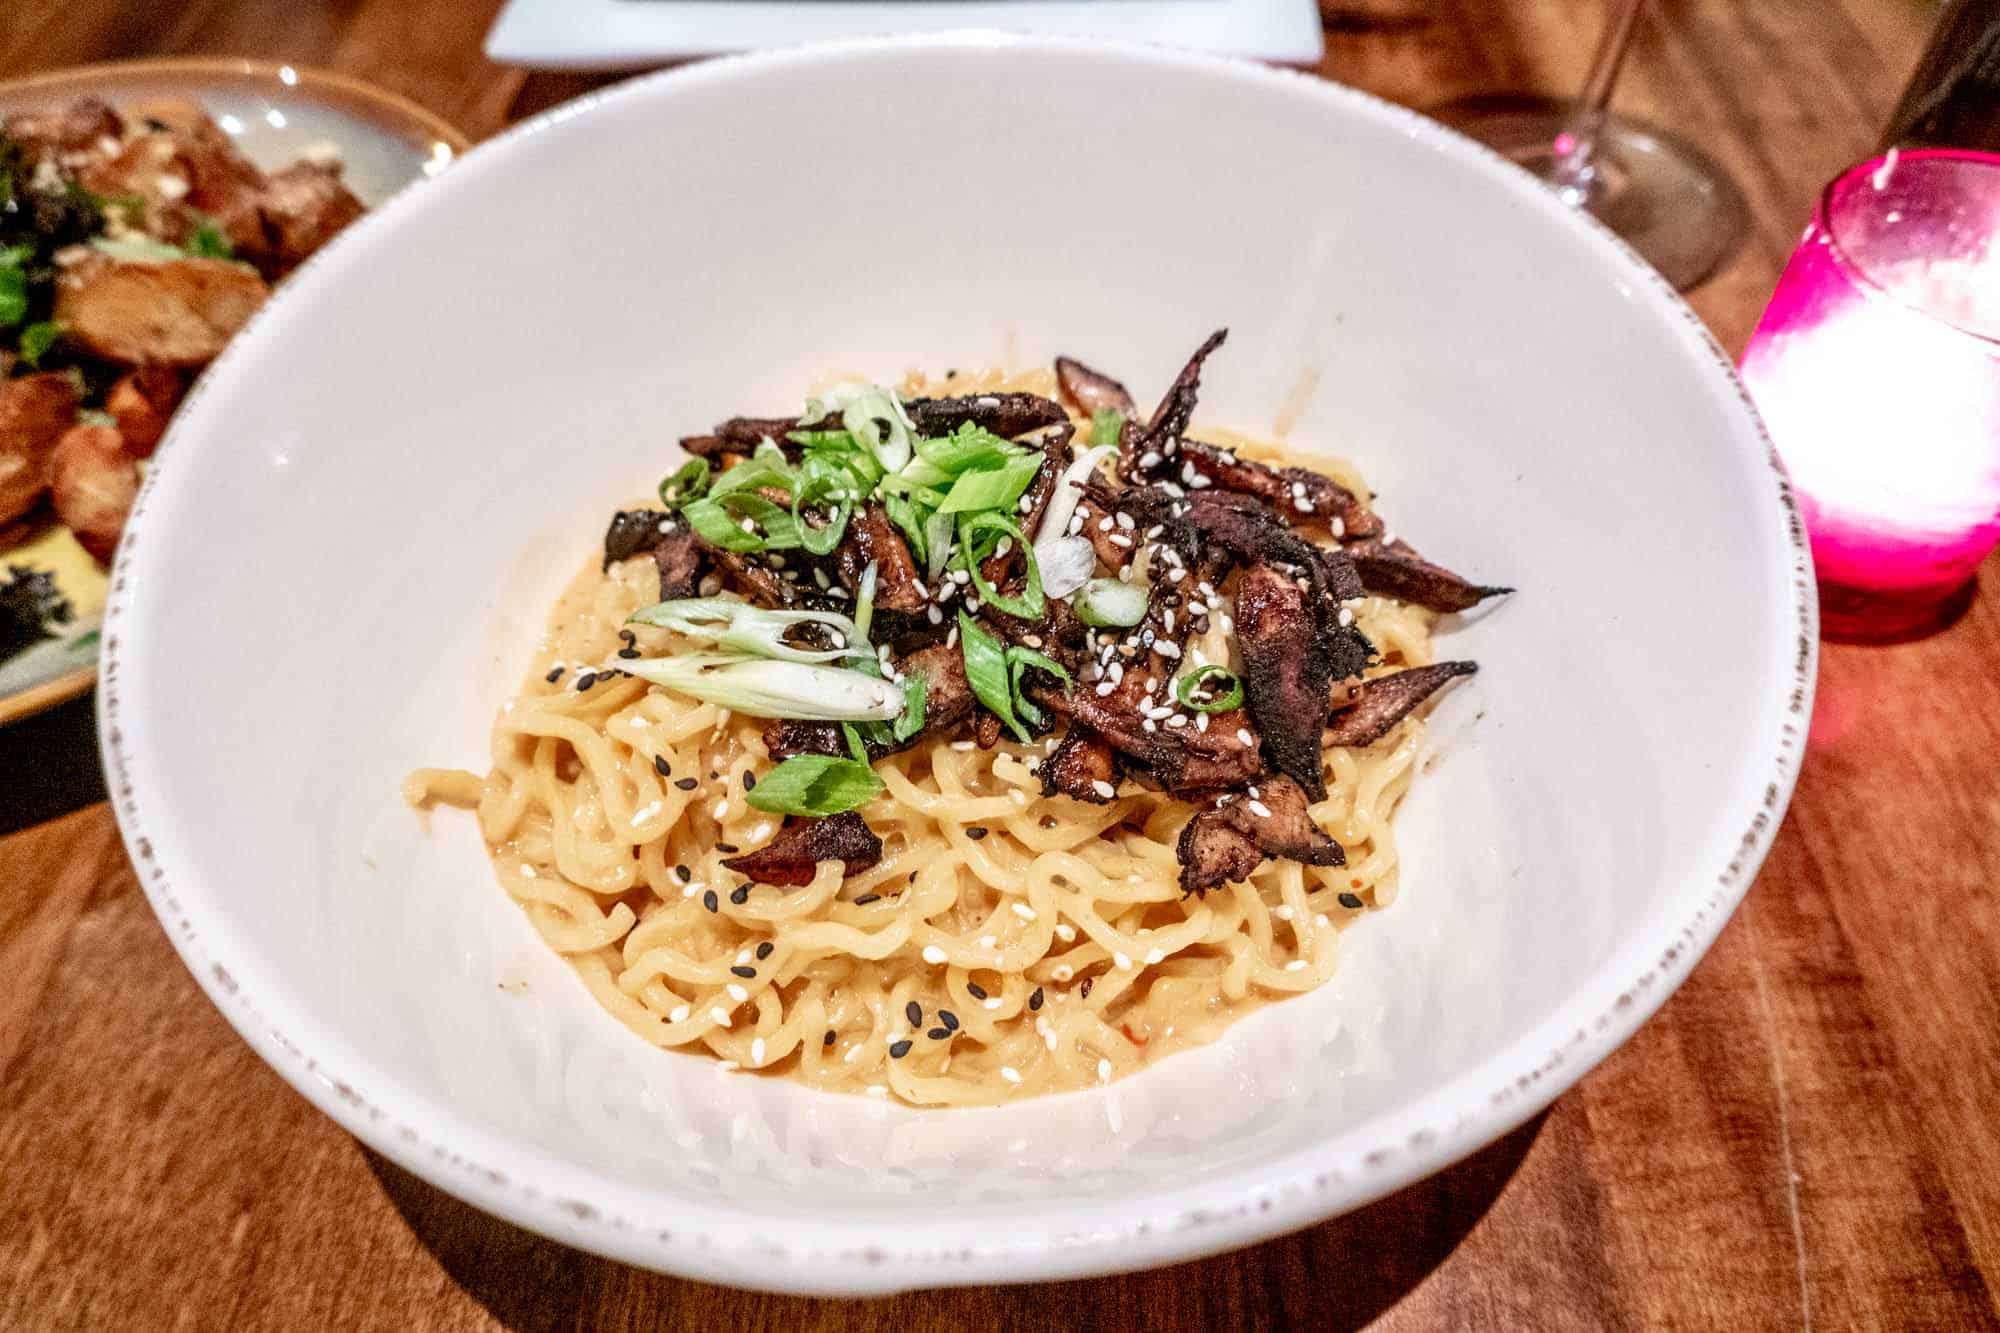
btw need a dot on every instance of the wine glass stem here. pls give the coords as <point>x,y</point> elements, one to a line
<point>1576,148</point>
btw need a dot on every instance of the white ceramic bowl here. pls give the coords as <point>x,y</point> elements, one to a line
<point>356,529</point>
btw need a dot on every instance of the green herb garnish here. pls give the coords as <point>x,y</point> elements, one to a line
<point>1229,697</point>
<point>816,785</point>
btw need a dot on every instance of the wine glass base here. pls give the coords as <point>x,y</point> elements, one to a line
<point>1874,615</point>
<point>1669,200</point>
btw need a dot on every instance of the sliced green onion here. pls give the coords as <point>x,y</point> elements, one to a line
<point>937,542</point>
<point>1031,604</point>
<point>996,488</point>
<point>1105,603</point>
<point>971,448</point>
<point>760,687</point>
<point>37,339</point>
<point>1105,427</point>
<point>821,439</point>
<point>816,785</point>
<point>986,672</point>
<point>910,523</point>
<point>743,628</point>
<point>719,521</point>
<point>1065,495</point>
<point>873,415</point>
<point>821,478</point>
<point>916,690</point>
<point>690,483</point>
<point>1231,697</point>
<point>864,605</point>
<point>1019,661</point>
<point>1066,564</point>
<point>137,249</point>
<point>766,467</point>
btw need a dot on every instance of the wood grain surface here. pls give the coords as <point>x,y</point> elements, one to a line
<point>1807,1135</point>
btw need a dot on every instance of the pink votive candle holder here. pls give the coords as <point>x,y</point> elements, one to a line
<point>1877,368</point>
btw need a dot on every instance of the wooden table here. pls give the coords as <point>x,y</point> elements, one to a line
<point>1808,1133</point>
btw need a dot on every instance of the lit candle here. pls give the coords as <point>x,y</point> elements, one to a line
<point>1877,369</point>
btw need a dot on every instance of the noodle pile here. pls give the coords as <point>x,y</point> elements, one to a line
<point>1020,944</point>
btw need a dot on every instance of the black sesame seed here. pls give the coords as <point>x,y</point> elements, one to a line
<point>827,1040</point>
<point>683,874</point>
<point>662,767</point>
<point>629,635</point>
<point>1350,900</point>
<point>867,898</point>
<point>939,1034</point>
<point>709,901</point>
<point>741,896</point>
<point>1088,982</point>
<point>585,681</point>
<point>1035,1000</point>
<point>948,1018</point>
<point>912,879</point>
<point>899,1050</point>
<point>687,784</point>
<point>764,950</point>
<point>914,1012</point>
<point>555,674</point>
<point>975,833</point>
<point>749,780</point>
<point>974,989</point>
<point>628,654</point>
<point>744,970</point>
<point>726,848</point>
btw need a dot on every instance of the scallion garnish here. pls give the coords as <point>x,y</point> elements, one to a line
<point>743,628</point>
<point>688,484</point>
<point>1108,603</point>
<point>742,521</point>
<point>1105,426</point>
<point>1217,698</point>
<point>815,784</point>
<point>760,687</point>
<point>994,488</point>
<point>986,671</point>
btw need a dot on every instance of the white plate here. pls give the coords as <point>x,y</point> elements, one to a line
<point>337,576</point>
<point>630,34</point>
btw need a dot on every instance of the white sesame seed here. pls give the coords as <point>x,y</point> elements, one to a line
<point>742,957</point>
<point>721,810</point>
<point>1283,912</point>
<point>1319,919</point>
<point>1065,932</point>
<point>1154,956</point>
<point>757,1051</point>
<point>1103,788</point>
<point>991,1002</point>
<point>1201,722</point>
<point>1106,688</point>
<point>679,1015</point>
<point>1150,725</point>
<point>1063,972</point>
<point>1123,960</point>
<point>720,1015</point>
<point>1103,1071</point>
<point>1296,965</point>
<point>1177,720</point>
<point>1125,521</point>
<point>1259,809</point>
<point>1121,540</point>
<point>989,941</point>
<point>933,955</point>
<point>1011,1074</point>
<point>1105,524</point>
<point>1346,616</point>
<point>1165,648</point>
<point>736,992</point>
<point>1048,1035</point>
<point>726,1066</point>
<point>1243,734</point>
<point>1025,912</point>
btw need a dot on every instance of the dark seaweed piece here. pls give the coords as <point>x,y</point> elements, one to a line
<point>1081,761</point>
<point>1286,672</point>
<point>1093,390</point>
<point>792,855</point>
<point>1005,414</point>
<point>632,531</point>
<point>1364,713</point>
<point>30,605</point>
<point>1232,838</point>
<point>1298,494</point>
<point>1394,569</point>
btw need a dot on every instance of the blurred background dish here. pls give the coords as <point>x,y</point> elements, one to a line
<point>276,115</point>
<point>631,34</point>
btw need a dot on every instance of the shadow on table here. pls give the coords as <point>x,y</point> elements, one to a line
<point>1338,1275</point>
<point>48,764</point>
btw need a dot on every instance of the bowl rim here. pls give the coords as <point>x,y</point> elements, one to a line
<point>1464,1113</point>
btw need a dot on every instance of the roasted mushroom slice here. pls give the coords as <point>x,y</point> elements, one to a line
<point>178,312</point>
<point>1083,767</point>
<point>1005,414</point>
<point>141,402</point>
<point>1141,452</point>
<point>1394,569</point>
<point>1092,390</point>
<point>35,410</point>
<point>794,853</point>
<point>872,539</point>
<point>633,532</point>
<point>679,557</point>
<point>1364,713</point>
<point>1297,494</point>
<point>1235,835</point>
<point>1286,672</point>
<point>93,482</point>
<point>302,208</point>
